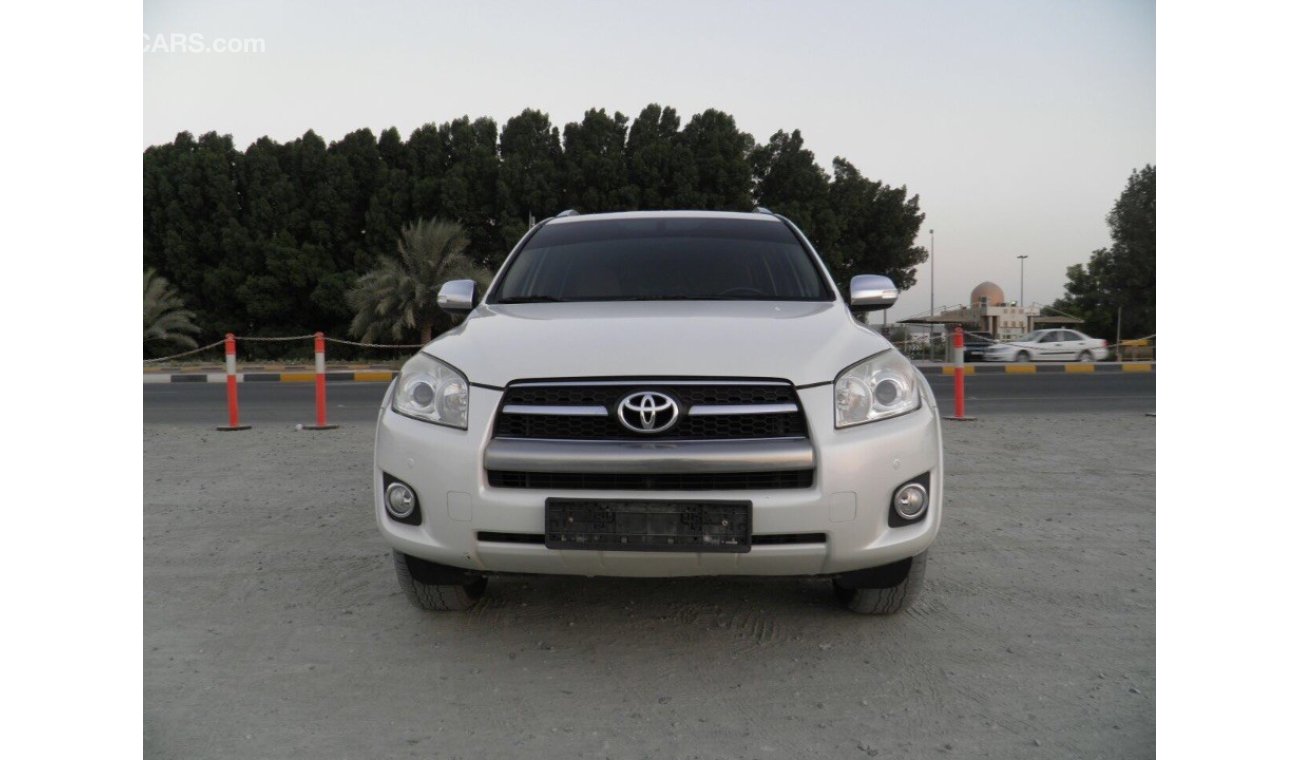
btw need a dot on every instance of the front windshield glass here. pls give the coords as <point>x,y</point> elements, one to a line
<point>663,259</point>
<point>1034,336</point>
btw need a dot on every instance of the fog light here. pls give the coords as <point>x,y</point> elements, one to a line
<point>400,500</point>
<point>910,501</point>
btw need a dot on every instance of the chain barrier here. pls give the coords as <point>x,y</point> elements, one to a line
<point>373,345</point>
<point>254,339</point>
<point>261,339</point>
<point>187,353</point>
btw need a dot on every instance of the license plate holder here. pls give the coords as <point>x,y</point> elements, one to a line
<point>649,525</point>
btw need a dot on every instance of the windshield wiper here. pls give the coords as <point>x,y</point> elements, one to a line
<point>531,299</point>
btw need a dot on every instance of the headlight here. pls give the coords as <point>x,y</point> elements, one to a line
<point>882,386</point>
<point>432,391</point>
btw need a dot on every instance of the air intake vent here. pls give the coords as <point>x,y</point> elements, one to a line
<point>580,481</point>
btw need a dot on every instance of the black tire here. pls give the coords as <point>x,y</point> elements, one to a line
<point>416,577</point>
<point>1022,357</point>
<point>1086,357</point>
<point>883,590</point>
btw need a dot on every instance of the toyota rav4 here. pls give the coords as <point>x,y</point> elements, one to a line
<point>660,394</point>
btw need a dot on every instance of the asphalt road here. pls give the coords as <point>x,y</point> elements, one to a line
<point>353,403</point>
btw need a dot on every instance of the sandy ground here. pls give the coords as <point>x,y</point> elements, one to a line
<point>274,626</point>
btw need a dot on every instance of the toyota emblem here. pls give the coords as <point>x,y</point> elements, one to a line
<point>647,412</point>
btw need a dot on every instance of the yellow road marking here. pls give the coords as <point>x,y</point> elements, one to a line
<point>1021,369</point>
<point>1136,367</point>
<point>373,377</point>
<point>1084,368</point>
<point>297,377</point>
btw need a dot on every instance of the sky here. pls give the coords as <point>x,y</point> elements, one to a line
<point>1017,123</point>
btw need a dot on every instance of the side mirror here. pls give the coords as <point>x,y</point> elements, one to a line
<point>872,292</point>
<point>457,296</point>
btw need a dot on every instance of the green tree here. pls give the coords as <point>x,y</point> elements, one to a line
<point>391,202</point>
<point>426,153</point>
<point>167,323</point>
<point>1123,276</point>
<point>192,223</point>
<point>400,295</point>
<point>471,186</point>
<point>532,171</point>
<point>719,164</point>
<point>357,168</point>
<point>270,239</point>
<point>659,166</point>
<point>876,227</point>
<point>595,164</point>
<point>301,247</point>
<point>789,182</point>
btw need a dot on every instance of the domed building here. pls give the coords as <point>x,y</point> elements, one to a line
<point>987,294</point>
<point>989,312</point>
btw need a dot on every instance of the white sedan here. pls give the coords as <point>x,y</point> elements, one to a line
<point>1049,345</point>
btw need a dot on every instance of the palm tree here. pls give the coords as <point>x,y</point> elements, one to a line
<point>166,320</point>
<point>401,293</point>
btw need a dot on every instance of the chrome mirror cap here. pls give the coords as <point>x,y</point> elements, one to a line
<point>457,296</point>
<point>872,292</point>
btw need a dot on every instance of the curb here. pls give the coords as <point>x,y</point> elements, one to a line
<point>994,368</point>
<point>360,376</point>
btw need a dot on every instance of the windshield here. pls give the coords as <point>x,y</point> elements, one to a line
<point>665,258</point>
<point>1034,336</point>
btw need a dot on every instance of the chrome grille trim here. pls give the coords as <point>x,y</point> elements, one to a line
<point>558,410</point>
<point>649,457</point>
<point>704,410</point>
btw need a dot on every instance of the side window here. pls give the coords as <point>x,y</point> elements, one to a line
<point>1072,335</point>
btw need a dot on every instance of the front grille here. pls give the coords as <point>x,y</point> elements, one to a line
<point>576,394</point>
<point>691,428</point>
<point>588,411</point>
<point>695,481</point>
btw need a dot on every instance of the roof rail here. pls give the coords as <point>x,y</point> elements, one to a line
<point>566,212</point>
<point>762,210</point>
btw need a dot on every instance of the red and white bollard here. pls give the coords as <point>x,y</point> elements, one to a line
<point>232,387</point>
<point>959,378</point>
<point>320,387</point>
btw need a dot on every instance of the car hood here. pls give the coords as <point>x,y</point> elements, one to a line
<point>803,342</point>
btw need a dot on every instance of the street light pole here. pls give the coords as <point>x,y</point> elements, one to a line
<point>1022,280</point>
<point>931,341</point>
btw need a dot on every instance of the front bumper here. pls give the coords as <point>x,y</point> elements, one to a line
<point>857,470</point>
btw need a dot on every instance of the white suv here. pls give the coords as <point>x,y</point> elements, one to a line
<point>660,394</point>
